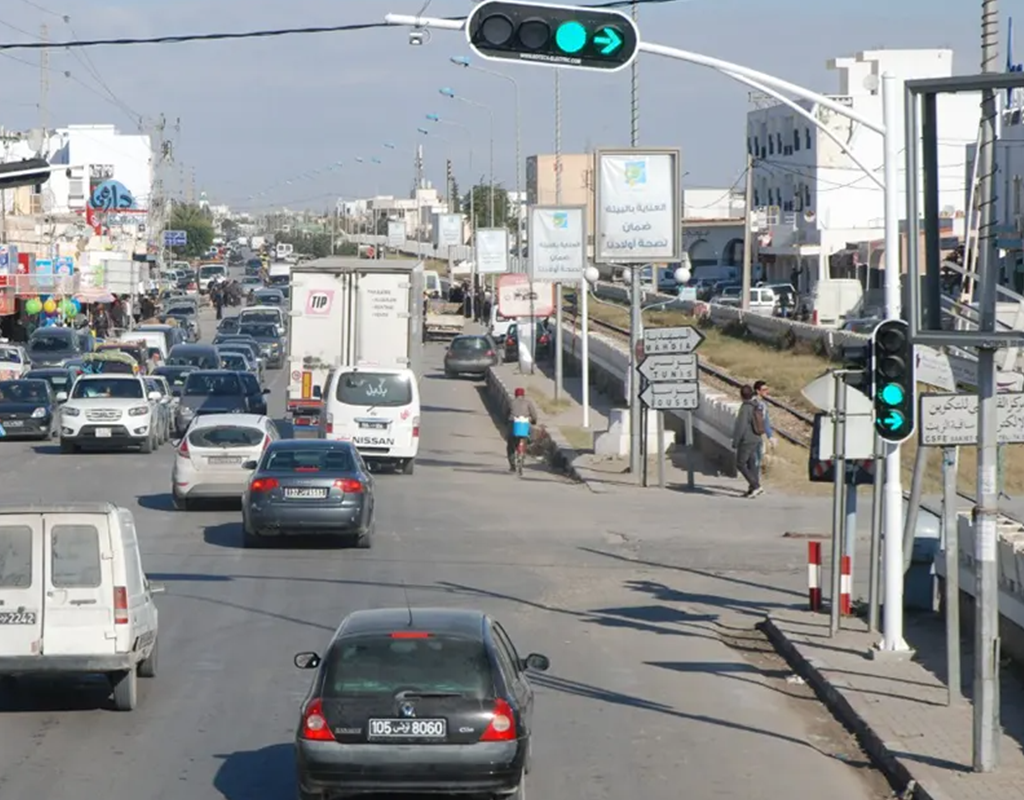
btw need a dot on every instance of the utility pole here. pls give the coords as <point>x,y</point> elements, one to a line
<point>748,244</point>
<point>157,211</point>
<point>986,729</point>
<point>636,323</point>
<point>559,365</point>
<point>44,79</point>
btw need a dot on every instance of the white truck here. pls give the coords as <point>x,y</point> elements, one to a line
<point>350,312</point>
<point>444,320</point>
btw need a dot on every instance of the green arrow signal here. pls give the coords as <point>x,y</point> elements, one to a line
<point>893,421</point>
<point>609,40</point>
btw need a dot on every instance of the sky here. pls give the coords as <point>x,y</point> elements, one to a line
<point>257,117</point>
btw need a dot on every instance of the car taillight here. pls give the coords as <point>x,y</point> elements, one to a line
<point>120,605</point>
<point>183,448</point>
<point>266,442</point>
<point>415,427</point>
<point>307,469</point>
<point>329,425</point>
<point>489,354</point>
<point>411,635</point>
<point>502,727</point>
<point>263,485</point>
<point>349,485</point>
<point>543,339</point>
<point>314,724</point>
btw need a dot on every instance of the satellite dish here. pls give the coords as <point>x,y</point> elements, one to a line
<point>871,82</point>
<point>36,139</point>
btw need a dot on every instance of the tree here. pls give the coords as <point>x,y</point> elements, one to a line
<point>481,198</point>
<point>454,204</point>
<point>229,229</point>
<point>197,227</point>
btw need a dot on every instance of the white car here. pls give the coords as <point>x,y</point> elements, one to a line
<point>109,411</point>
<point>209,459</point>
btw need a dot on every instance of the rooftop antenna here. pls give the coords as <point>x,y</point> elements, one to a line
<point>408,605</point>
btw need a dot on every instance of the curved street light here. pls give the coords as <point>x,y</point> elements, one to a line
<point>450,93</point>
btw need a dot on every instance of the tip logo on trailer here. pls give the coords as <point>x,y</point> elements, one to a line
<point>319,302</point>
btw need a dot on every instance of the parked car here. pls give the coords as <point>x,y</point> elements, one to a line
<point>542,335</point>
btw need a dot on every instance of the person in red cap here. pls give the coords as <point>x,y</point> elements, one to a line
<point>521,406</point>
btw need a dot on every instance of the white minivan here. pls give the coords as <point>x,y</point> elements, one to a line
<point>74,599</point>
<point>210,272</point>
<point>378,410</point>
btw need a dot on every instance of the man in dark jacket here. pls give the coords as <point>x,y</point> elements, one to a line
<point>746,440</point>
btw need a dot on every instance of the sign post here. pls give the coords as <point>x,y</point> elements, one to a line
<point>667,364</point>
<point>491,255</point>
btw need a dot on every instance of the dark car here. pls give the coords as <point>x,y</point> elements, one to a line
<point>48,347</point>
<point>197,356</point>
<point>470,355</point>
<point>542,336</point>
<point>210,391</point>
<point>245,345</point>
<point>417,700</point>
<point>255,393</point>
<point>237,361</point>
<point>187,279</point>
<point>269,297</point>
<point>175,376</point>
<point>253,266</point>
<point>270,340</point>
<point>308,486</point>
<point>59,378</point>
<point>26,409</point>
<point>228,325</point>
<point>187,317</point>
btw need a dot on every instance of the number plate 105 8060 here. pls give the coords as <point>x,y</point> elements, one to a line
<point>408,728</point>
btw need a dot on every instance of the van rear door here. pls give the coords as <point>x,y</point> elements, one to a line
<point>80,591</point>
<point>21,584</point>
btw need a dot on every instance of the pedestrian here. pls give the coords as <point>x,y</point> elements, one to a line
<point>761,399</point>
<point>746,437</point>
<point>217,295</point>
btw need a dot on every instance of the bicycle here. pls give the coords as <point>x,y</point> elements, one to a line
<point>521,430</point>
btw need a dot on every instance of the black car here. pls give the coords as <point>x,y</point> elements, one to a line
<point>26,409</point>
<point>175,376</point>
<point>228,325</point>
<point>256,394</point>
<point>50,347</point>
<point>270,340</point>
<point>253,266</point>
<point>197,356</point>
<point>417,700</point>
<point>544,347</point>
<point>59,378</point>
<point>210,391</point>
<point>269,297</point>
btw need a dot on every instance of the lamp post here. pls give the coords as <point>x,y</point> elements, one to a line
<point>447,155</point>
<point>450,93</point>
<point>463,61</point>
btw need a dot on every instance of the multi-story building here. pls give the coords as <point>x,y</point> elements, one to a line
<point>817,200</point>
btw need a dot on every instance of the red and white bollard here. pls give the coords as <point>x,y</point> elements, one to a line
<point>845,587</point>
<point>814,575</point>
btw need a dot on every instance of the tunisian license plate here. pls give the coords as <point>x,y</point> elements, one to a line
<point>19,617</point>
<point>305,494</point>
<point>225,459</point>
<point>14,423</point>
<point>104,433</point>
<point>408,729</point>
<point>374,426</point>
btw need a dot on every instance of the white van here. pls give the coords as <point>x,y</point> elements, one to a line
<point>499,325</point>
<point>154,340</point>
<point>377,409</point>
<point>832,300</point>
<point>207,273</point>
<point>74,599</point>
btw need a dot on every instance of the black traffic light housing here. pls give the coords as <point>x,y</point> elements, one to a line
<point>561,36</point>
<point>859,367</point>
<point>894,381</point>
<point>29,172</point>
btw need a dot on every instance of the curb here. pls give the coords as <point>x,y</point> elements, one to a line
<point>899,771</point>
<point>560,453</point>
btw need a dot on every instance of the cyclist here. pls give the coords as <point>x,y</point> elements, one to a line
<point>521,406</point>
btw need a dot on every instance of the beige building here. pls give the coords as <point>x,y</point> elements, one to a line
<point>577,184</point>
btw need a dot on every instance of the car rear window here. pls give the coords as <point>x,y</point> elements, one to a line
<point>258,329</point>
<point>193,359</point>
<point>471,344</point>
<point>226,436</point>
<point>234,360</point>
<point>174,377</point>
<point>384,665</point>
<point>75,559</point>
<point>260,317</point>
<point>15,556</point>
<point>217,385</point>
<point>336,459</point>
<point>374,389</point>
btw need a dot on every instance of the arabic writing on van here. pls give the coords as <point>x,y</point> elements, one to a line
<point>952,419</point>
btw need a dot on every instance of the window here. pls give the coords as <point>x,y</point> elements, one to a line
<point>807,138</point>
<point>757,145</point>
<point>333,459</point>
<point>778,141</point>
<point>23,391</point>
<point>259,318</point>
<point>153,385</point>
<point>226,436</point>
<point>211,271</point>
<point>175,377</point>
<point>771,146</point>
<point>796,139</point>
<point>506,644</point>
<point>193,358</point>
<point>15,557</point>
<point>217,385</point>
<point>807,196</point>
<point>259,329</point>
<point>10,355</point>
<point>107,387</point>
<point>250,384</point>
<point>75,557</point>
<point>384,665</point>
<point>375,389</point>
<point>471,344</point>
<point>235,361</point>
<point>51,342</point>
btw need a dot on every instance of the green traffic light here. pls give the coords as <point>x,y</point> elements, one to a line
<point>571,37</point>
<point>892,394</point>
<point>892,422</point>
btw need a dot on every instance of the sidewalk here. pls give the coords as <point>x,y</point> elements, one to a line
<point>898,709</point>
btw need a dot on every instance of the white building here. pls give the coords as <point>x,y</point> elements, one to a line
<point>815,198</point>
<point>713,227</point>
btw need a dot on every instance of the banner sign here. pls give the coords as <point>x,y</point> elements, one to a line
<point>491,251</point>
<point>558,243</point>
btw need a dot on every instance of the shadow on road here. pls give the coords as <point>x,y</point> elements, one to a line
<point>267,774</point>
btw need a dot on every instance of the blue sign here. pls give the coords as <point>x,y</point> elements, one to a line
<point>65,265</point>
<point>44,273</point>
<point>111,196</point>
<point>175,238</point>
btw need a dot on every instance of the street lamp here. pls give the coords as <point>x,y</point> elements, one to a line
<point>450,93</point>
<point>464,62</point>
<point>447,155</point>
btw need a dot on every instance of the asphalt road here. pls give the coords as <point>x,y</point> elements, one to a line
<point>646,698</point>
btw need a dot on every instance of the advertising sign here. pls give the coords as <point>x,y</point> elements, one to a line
<point>558,243</point>
<point>396,234</point>
<point>448,230</point>
<point>491,251</point>
<point>64,265</point>
<point>43,274</point>
<point>518,297</point>
<point>637,206</point>
<point>8,259</point>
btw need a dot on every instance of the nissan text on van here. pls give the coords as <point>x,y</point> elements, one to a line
<point>378,410</point>
<point>74,599</point>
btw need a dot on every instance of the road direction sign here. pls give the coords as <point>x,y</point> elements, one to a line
<point>947,420</point>
<point>175,238</point>
<point>672,341</point>
<point>671,368</point>
<point>822,393</point>
<point>675,396</point>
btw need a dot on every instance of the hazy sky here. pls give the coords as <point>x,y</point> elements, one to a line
<point>257,114</point>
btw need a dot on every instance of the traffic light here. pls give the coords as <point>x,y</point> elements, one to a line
<point>560,36</point>
<point>30,172</point>
<point>858,364</point>
<point>894,382</point>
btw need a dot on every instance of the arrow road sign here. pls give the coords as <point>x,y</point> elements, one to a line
<point>671,368</point>
<point>678,396</point>
<point>672,341</point>
<point>609,40</point>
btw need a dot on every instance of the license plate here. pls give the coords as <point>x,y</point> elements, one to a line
<point>408,729</point>
<point>14,423</point>
<point>225,459</point>
<point>19,617</point>
<point>104,433</point>
<point>305,494</point>
<point>374,426</point>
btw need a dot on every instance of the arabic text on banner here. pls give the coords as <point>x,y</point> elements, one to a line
<point>637,217</point>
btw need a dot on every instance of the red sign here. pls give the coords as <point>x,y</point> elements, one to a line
<point>6,302</point>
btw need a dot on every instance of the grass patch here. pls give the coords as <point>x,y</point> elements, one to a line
<point>547,404</point>
<point>580,439</point>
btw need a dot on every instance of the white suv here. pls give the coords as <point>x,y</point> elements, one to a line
<point>109,411</point>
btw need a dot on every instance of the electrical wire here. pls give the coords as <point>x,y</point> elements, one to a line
<point>728,193</point>
<point>38,7</point>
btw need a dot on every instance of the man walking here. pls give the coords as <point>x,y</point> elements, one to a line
<point>761,400</point>
<point>746,437</point>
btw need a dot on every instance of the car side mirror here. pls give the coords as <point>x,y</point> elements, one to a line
<point>249,465</point>
<point>176,392</point>
<point>537,662</point>
<point>155,396</point>
<point>156,588</point>
<point>61,397</point>
<point>266,391</point>
<point>306,660</point>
